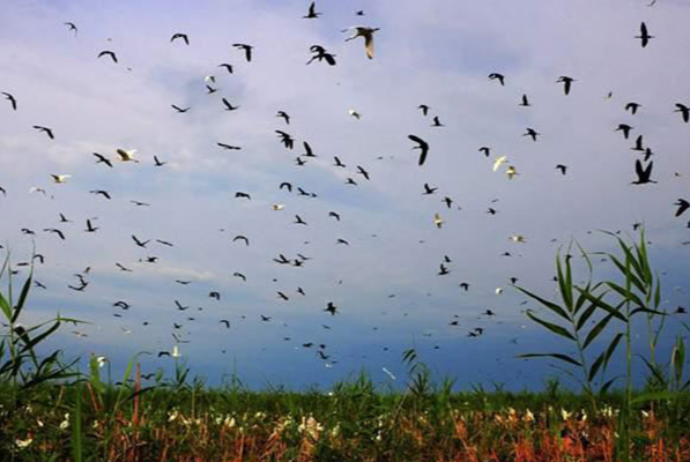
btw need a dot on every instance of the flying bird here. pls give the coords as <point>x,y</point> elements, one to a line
<point>312,14</point>
<point>644,35</point>
<point>499,77</point>
<point>284,116</point>
<point>11,99</point>
<point>102,159</point>
<point>226,322</point>
<point>682,205</point>
<point>228,146</point>
<point>180,110</point>
<point>227,67</point>
<point>562,168</point>
<point>625,128</point>
<point>157,162</point>
<point>423,147</point>
<point>567,83</point>
<point>139,242</point>
<point>485,150</point>
<point>331,308</point>
<point>424,108</point>
<point>112,55</point>
<point>684,111</point>
<point>643,173</point>
<point>320,54</point>
<point>60,179</point>
<point>126,155</point>
<point>368,34</point>
<point>72,27</point>
<point>228,106</point>
<point>100,192</point>
<point>632,107</point>
<point>531,133</point>
<point>246,48</point>
<point>179,35</point>
<point>45,130</point>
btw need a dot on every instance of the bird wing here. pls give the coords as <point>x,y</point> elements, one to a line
<point>369,45</point>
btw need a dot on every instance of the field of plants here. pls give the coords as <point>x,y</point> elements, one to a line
<point>51,412</point>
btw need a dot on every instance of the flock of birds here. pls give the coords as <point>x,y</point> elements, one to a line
<point>643,169</point>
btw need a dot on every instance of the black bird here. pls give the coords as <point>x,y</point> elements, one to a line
<point>89,227</point>
<point>55,231</point>
<point>428,189</point>
<point>680,310</point>
<point>489,313</point>
<point>342,241</point>
<point>531,133</point>
<point>102,159</point>
<point>282,296</point>
<point>247,50</point>
<point>181,307</point>
<point>312,14</point>
<point>265,318</point>
<point>72,27</point>
<point>351,182</point>
<point>448,201</point>
<point>240,237</point>
<point>423,147</point>
<point>567,83</point>
<point>331,308</point>
<point>299,221</point>
<point>164,243</point>
<point>684,111</point>
<point>625,128</point>
<point>229,146</point>
<point>139,203</point>
<point>11,99</point>
<point>338,163</point>
<point>164,353</point>
<point>285,185</point>
<point>242,195</point>
<point>122,304</point>
<point>638,144</point>
<point>40,285</point>
<point>157,162</point>
<point>643,174</point>
<point>180,110</point>
<point>485,150</point>
<point>443,270</point>
<point>424,108</point>
<point>437,122</point>
<point>525,101</point>
<point>562,168</point>
<point>363,172</point>
<point>321,54</point>
<point>101,193</point>
<point>123,268</point>
<point>112,55</point>
<point>240,275</point>
<point>139,243</point>
<point>180,36</point>
<point>632,107</point>
<point>210,90</point>
<point>499,77</point>
<point>226,322</point>
<point>63,219</point>
<point>308,150</point>
<point>45,130</point>
<point>682,205</point>
<point>644,35</point>
<point>334,215</point>
<point>228,106</point>
<point>227,67</point>
<point>285,116</point>
<point>465,286</point>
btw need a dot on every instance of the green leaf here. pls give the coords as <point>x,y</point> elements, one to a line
<point>586,315</point>
<point>625,294</point>
<point>550,305</point>
<point>596,330</point>
<point>5,306</point>
<point>654,396</point>
<point>600,303</point>
<point>635,281</point>
<point>556,329</point>
<point>77,446</point>
<point>657,293</point>
<point>22,297</point>
<point>612,347</point>
<point>642,309</point>
<point>596,366</point>
<point>562,357</point>
<point>607,385</point>
<point>565,283</point>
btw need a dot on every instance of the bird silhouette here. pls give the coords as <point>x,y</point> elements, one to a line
<point>682,205</point>
<point>368,34</point>
<point>643,173</point>
<point>684,111</point>
<point>179,35</point>
<point>644,35</point>
<point>423,147</point>
<point>11,99</point>
<point>498,77</point>
<point>46,130</point>
<point>312,13</point>
<point>108,53</point>
<point>248,50</point>
<point>567,83</point>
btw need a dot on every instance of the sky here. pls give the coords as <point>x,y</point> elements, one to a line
<point>384,281</point>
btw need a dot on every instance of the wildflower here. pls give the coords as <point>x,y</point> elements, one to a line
<point>173,415</point>
<point>101,360</point>
<point>21,444</point>
<point>176,352</point>
<point>229,422</point>
<point>529,417</point>
<point>565,414</point>
<point>65,423</point>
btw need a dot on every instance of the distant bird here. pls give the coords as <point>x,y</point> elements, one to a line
<point>312,14</point>
<point>228,146</point>
<point>60,179</point>
<point>285,185</point>
<point>72,27</point>
<point>100,192</point>
<point>632,107</point>
<point>63,219</point>
<point>638,144</point>
<point>285,116</point>
<point>531,133</point>
<point>368,34</point>
<point>625,128</point>
<point>643,173</point>
<point>157,162</point>
<point>334,215</point>
<point>684,111</point>
<point>437,122</point>
<point>438,221</point>
<point>448,201</point>
<point>228,106</point>
<point>682,205</point>
<point>499,77</point>
<point>524,102</point>
<point>180,110</point>
<point>286,139</point>
<point>139,242</point>
<point>240,275</point>
<point>242,195</point>
<point>424,108</point>
<point>428,190</point>
<point>169,244</point>
<point>308,152</point>
<point>112,55</point>
<point>320,54</point>
<point>361,171</point>
<point>443,270</point>
<point>282,296</point>
<point>350,181</point>
<point>498,162</point>
<point>59,233</point>
<point>123,268</point>
<point>562,168</point>
<point>227,67</point>
<point>354,113</point>
<point>239,237</point>
<point>485,150</point>
<point>139,203</point>
<point>102,159</point>
<point>180,306</point>
<point>89,227</point>
<point>226,322</point>
<point>331,308</point>
<point>126,155</point>
<point>246,48</point>
<point>338,163</point>
<point>465,286</point>
<point>179,35</point>
<point>423,147</point>
<point>644,35</point>
<point>299,220</point>
<point>567,83</point>
<point>210,90</point>
<point>45,130</point>
<point>342,241</point>
<point>11,99</point>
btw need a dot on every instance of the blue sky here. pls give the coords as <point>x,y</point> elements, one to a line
<point>385,282</point>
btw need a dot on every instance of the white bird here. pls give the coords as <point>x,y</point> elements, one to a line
<point>498,162</point>
<point>438,221</point>
<point>277,207</point>
<point>127,155</point>
<point>511,172</point>
<point>367,33</point>
<point>354,114</point>
<point>518,238</point>
<point>60,179</point>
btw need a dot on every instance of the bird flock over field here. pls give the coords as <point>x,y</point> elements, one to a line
<point>303,153</point>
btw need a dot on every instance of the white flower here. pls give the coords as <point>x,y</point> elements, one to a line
<point>21,444</point>
<point>176,352</point>
<point>65,423</point>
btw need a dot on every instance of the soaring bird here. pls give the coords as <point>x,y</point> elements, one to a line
<point>112,55</point>
<point>331,308</point>
<point>72,27</point>
<point>226,322</point>
<point>354,113</point>
<point>625,128</point>
<point>180,110</point>
<point>11,99</point>
<point>485,150</point>
<point>524,102</point>
<point>126,155</point>
<point>312,14</point>
<point>320,54</point>
<point>499,77</point>
<point>140,243</point>
<point>684,111</point>
<point>242,195</point>
<point>362,172</point>
<point>632,107</point>
<point>338,162</point>
<point>228,106</point>
<point>45,130</point>
<point>228,146</point>
<point>89,227</point>
<point>562,168</point>
<point>246,48</point>
<point>438,221</point>
<point>100,192</point>
<point>437,122</point>
<point>423,147</point>
<point>567,83</point>
<point>308,152</point>
<point>240,237</point>
<point>157,162</point>
<point>428,189</point>
<point>498,162</point>
<point>531,133</point>
<point>334,215</point>
<point>368,34</point>
<point>60,179</point>
<point>682,205</point>
<point>643,173</point>
<point>102,159</point>
<point>284,116</point>
<point>179,35</point>
<point>227,67</point>
<point>55,231</point>
<point>644,35</point>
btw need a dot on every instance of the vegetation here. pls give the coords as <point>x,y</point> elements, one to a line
<point>50,412</point>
